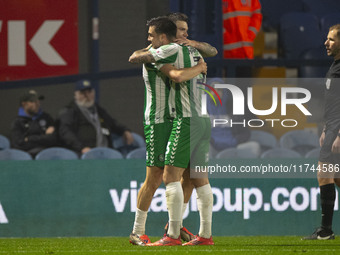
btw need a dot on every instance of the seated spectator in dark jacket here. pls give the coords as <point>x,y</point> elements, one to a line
<point>83,124</point>
<point>33,129</point>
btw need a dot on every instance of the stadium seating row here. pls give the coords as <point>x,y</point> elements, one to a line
<point>271,153</point>
<point>273,10</point>
<point>301,32</point>
<point>58,153</point>
<point>4,142</point>
<point>136,150</point>
<point>262,144</point>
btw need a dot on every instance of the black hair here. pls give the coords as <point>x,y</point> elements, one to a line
<point>178,16</point>
<point>163,25</point>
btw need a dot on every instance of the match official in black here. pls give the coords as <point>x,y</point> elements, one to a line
<point>329,159</point>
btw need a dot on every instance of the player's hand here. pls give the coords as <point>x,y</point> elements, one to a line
<point>85,149</point>
<point>203,66</point>
<point>132,58</point>
<point>186,42</point>
<point>322,138</point>
<point>49,130</point>
<point>183,41</point>
<point>336,145</point>
<point>128,138</point>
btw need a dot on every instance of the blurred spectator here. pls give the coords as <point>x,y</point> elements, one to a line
<point>83,124</point>
<point>33,129</point>
<point>241,22</point>
<point>226,136</point>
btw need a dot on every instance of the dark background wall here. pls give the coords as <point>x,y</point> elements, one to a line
<point>122,30</point>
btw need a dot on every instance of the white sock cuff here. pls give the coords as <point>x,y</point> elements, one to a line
<point>174,194</point>
<point>173,186</point>
<point>205,204</point>
<point>203,190</point>
<point>141,213</point>
<point>185,205</point>
<point>140,220</point>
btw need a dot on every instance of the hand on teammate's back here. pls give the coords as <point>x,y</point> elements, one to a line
<point>203,66</point>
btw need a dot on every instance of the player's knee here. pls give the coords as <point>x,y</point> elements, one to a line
<point>186,182</point>
<point>200,182</point>
<point>154,182</point>
<point>170,175</point>
<point>167,180</point>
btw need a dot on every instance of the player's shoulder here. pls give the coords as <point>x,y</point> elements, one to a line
<point>170,47</point>
<point>168,51</point>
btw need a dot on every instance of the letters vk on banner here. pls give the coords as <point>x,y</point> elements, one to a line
<point>246,200</point>
<point>38,38</point>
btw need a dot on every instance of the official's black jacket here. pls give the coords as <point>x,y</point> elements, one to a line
<point>332,97</point>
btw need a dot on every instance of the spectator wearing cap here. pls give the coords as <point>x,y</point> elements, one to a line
<point>33,129</point>
<point>83,124</point>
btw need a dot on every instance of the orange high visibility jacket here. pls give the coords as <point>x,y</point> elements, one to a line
<point>241,21</point>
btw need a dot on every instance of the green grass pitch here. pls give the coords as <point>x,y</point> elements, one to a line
<point>121,245</point>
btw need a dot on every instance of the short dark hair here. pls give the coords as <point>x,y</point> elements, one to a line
<point>178,16</point>
<point>337,28</point>
<point>163,25</point>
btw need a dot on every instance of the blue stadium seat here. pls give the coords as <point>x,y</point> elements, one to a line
<point>280,153</point>
<point>212,152</point>
<point>314,153</point>
<point>251,147</point>
<point>265,139</point>
<point>4,142</point>
<point>14,154</point>
<point>137,153</point>
<point>321,8</point>
<point>236,153</point>
<point>298,33</point>
<point>315,71</point>
<point>300,141</point>
<point>102,153</point>
<point>56,153</point>
<point>273,10</point>
<point>119,144</point>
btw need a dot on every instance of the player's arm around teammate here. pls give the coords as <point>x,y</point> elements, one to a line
<point>178,75</point>
<point>184,74</point>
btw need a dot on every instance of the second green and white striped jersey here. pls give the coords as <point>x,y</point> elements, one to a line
<point>183,99</point>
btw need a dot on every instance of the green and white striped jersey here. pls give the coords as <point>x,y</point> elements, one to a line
<point>184,99</point>
<point>156,95</point>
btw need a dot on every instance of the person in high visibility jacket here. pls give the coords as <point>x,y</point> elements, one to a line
<point>242,20</point>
